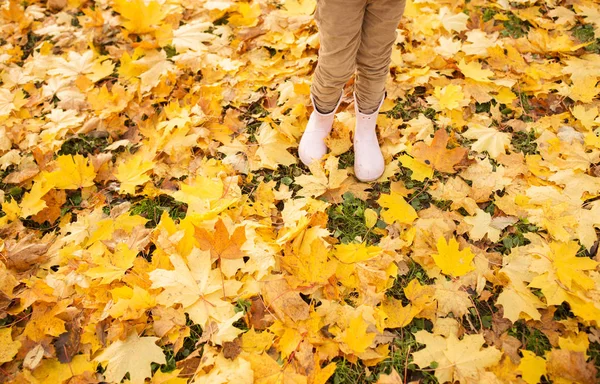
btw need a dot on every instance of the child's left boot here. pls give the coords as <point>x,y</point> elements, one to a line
<point>368,159</point>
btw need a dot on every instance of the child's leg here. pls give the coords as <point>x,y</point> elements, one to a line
<point>375,51</point>
<point>339,23</point>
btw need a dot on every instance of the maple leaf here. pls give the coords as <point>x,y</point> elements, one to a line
<point>272,149</point>
<point>488,139</point>
<point>452,261</point>
<point>73,172</point>
<point>532,367</point>
<point>473,70</point>
<point>134,355</point>
<point>457,360</point>
<point>33,202</point>
<point>322,178</point>
<point>447,98</point>
<point>356,336</point>
<point>436,155</point>
<point>132,172</point>
<point>142,17</point>
<point>220,244</point>
<point>420,170</point>
<point>570,367</point>
<point>561,265</point>
<point>53,371</point>
<point>398,210</point>
<point>195,286</point>
<point>451,297</point>
<point>516,298</point>
<point>8,347</point>
<point>111,266</point>
<point>307,258</point>
<point>422,304</point>
<point>482,225</point>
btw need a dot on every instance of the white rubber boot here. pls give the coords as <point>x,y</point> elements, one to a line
<point>368,159</point>
<point>312,144</point>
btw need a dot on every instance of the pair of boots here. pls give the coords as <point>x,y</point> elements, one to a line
<point>368,159</point>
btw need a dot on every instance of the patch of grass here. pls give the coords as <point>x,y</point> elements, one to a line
<point>252,116</point>
<point>411,107</point>
<point>170,51</point>
<point>524,101</point>
<point>400,358</point>
<point>346,159</point>
<point>27,48</point>
<point>415,271</point>
<point>282,175</point>
<point>515,27</point>
<point>347,221</point>
<point>515,236</point>
<point>525,142</point>
<point>585,33</point>
<point>11,191</point>
<point>419,199</point>
<point>594,353</point>
<point>83,145</point>
<point>152,209</point>
<point>480,316</point>
<point>190,344</point>
<point>346,372</point>
<point>532,339</point>
<point>488,14</point>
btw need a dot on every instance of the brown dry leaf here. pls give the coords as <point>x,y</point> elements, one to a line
<point>25,253</point>
<point>569,365</point>
<point>67,343</point>
<point>284,301</point>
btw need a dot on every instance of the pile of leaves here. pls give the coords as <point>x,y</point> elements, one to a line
<point>156,223</point>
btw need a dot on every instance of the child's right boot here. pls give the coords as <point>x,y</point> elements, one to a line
<point>312,144</point>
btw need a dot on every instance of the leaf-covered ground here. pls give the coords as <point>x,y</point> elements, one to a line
<point>156,223</point>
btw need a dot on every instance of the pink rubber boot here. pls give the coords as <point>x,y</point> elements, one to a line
<point>312,144</point>
<point>368,159</point>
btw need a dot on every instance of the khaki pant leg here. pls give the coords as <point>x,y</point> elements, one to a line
<point>375,51</point>
<point>339,23</point>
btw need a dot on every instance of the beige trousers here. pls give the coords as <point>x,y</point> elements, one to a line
<point>355,35</point>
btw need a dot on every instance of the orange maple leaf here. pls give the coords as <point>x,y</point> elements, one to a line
<point>220,244</point>
<point>437,155</point>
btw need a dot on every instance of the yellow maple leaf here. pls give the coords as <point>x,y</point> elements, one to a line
<point>516,299</point>
<point>356,336</point>
<point>134,355</point>
<point>141,17</point>
<point>32,201</point>
<point>452,261</point>
<point>8,347</point>
<point>398,210</point>
<point>457,360</point>
<point>272,149</point>
<point>130,303</point>
<point>53,371</point>
<point>420,170</point>
<point>257,342</point>
<point>112,266</point>
<point>355,253</point>
<point>300,7</point>
<point>447,98</point>
<point>247,15</point>
<point>473,70</point>
<point>532,367</point>
<point>131,172</point>
<point>73,172</point>
<point>398,315</point>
